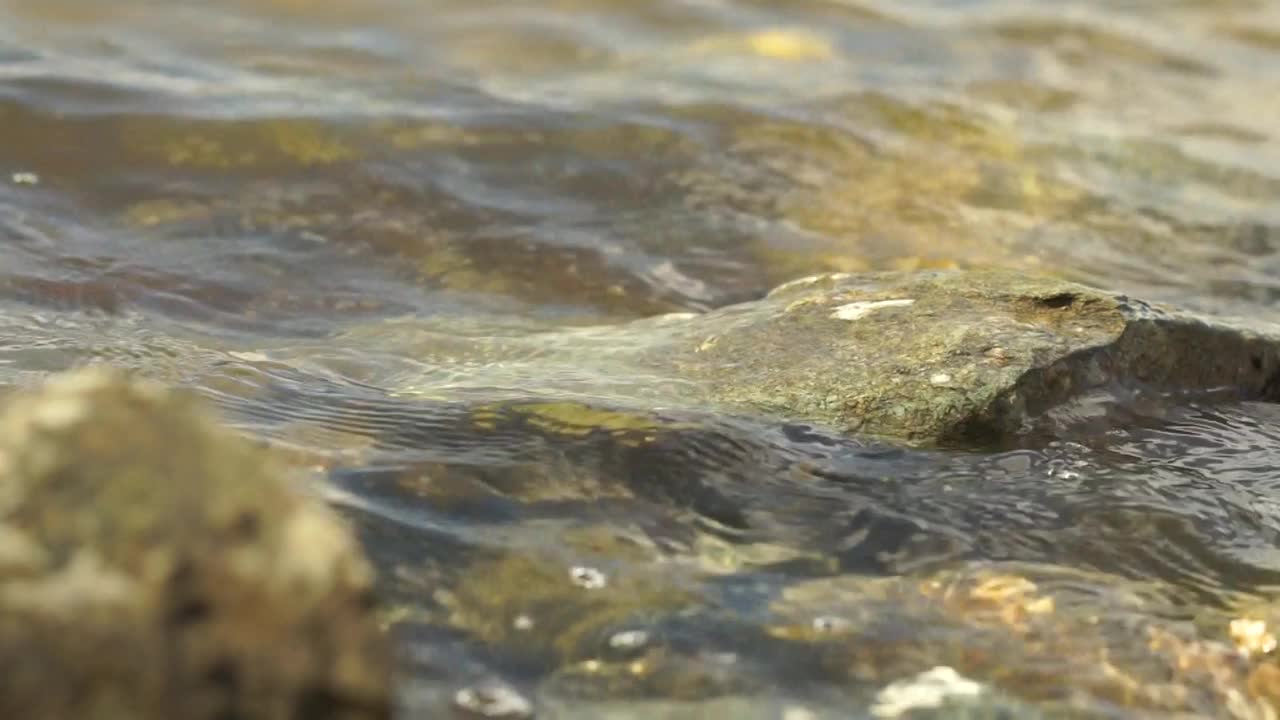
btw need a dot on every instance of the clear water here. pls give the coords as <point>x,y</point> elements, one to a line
<point>405,243</point>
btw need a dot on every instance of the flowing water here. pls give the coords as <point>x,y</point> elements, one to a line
<point>407,242</point>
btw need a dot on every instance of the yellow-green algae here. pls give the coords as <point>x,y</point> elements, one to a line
<point>574,419</point>
<point>954,189</point>
<point>209,145</point>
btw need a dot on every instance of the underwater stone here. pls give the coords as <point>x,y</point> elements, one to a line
<point>945,356</point>
<point>987,639</point>
<point>153,565</point>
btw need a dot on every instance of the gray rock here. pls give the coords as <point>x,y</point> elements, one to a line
<point>954,356</point>
<point>155,566</point>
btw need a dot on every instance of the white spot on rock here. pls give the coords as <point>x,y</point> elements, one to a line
<point>829,624</point>
<point>929,689</point>
<point>808,280</point>
<point>1252,636</point>
<point>25,178</point>
<point>939,379</point>
<point>629,639</point>
<point>588,577</point>
<point>495,700</point>
<point>861,308</point>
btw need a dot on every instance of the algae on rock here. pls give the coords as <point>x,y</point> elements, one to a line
<point>956,356</point>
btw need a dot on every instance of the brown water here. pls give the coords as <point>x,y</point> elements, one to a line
<point>380,233</point>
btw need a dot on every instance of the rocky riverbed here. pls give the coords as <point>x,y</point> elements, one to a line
<point>131,522</point>
<point>608,359</point>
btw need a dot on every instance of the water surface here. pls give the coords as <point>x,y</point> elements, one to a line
<point>399,240</point>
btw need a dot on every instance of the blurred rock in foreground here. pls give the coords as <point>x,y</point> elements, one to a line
<point>153,565</point>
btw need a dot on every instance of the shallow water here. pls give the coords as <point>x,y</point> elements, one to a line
<point>401,241</point>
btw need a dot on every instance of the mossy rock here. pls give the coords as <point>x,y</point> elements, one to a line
<point>948,356</point>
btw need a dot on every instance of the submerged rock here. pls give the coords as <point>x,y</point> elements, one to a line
<point>154,566</point>
<point>980,637</point>
<point>955,356</point>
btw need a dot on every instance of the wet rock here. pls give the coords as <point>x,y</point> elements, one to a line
<point>154,566</point>
<point>1005,636</point>
<point>551,613</point>
<point>956,356</point>
<point>928,357</point>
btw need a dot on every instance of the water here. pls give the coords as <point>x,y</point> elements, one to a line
<point>402,241</point>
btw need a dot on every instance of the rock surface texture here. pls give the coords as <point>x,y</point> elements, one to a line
<point>154,566</point>
<point>956,356</point>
